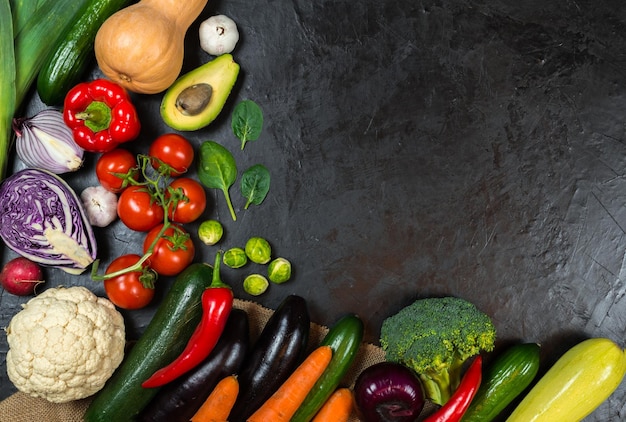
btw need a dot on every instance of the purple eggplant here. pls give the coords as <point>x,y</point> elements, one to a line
<point>388,392</point>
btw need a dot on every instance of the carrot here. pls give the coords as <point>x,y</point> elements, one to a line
<point>282,405</point>
<point>217,406</point>
<point>337,408</point>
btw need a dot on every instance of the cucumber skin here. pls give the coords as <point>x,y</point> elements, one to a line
<point>505,379</point>
<point>73,54</point>
<point>165,337</point>
<point>344,337</point>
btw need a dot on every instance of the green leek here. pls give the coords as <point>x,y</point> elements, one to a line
<point>7,82</point>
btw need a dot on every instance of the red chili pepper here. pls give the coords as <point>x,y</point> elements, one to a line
<point>100,115</point>
<point>217,302</point>
<point>454,409</point>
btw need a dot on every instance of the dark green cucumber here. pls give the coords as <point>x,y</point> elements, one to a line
<point>504,380</point>
<point>70,58</point>
<point>344,337</point>
<point>165,337</point>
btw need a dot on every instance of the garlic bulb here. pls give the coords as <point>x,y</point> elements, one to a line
<point>218,35</point>
<point>44,141</point>
<point>100,205</point>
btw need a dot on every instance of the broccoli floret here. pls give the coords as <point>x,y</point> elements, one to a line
<point>435,337</point>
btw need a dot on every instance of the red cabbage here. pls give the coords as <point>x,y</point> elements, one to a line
<point>42,219</point>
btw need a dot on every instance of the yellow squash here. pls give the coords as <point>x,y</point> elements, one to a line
<point>583,378</point>
<point>142,46</point>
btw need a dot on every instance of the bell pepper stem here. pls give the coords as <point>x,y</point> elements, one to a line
<point>97,116</point>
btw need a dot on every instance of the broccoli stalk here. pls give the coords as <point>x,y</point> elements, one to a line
<point>435,337</point>
<point>439,383</point>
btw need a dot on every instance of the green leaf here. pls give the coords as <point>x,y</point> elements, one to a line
<point>217,170</point>
<point>255,184</point>
<point>247,121</point>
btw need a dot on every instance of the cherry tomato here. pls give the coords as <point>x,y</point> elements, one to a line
<point>173,252</point>
<point>137,210</point>
<point>127,290</point>
<point>174,150</point>
<point>118,160</point>
<point>191,207</point>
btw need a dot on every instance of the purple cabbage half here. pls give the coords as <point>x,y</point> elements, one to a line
<point>42,219</point>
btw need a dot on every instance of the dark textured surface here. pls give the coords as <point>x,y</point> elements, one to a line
<point>470,148</point>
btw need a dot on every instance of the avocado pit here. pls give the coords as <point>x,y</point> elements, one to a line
<point>194,99</point>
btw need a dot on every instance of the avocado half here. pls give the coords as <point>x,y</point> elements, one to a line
<point>195,99</point>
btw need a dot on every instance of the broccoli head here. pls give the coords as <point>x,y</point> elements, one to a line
<point>435,337</point>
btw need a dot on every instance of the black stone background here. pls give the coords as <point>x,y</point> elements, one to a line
<point>422,148</point>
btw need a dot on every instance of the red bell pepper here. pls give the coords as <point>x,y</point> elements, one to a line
<point>100,115</point>
<point>217,302</point>
<point>454,409</point>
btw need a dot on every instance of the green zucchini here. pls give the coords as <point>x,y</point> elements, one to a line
<point>72,55</point>
<point>344,337</point>
<point>580,381</point>
<point>165,337</point>
<point>503,381</point>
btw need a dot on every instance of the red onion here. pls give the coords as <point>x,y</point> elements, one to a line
<point>44,141</point>
<point>388,392</point>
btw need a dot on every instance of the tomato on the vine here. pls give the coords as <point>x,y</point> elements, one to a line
<point>173,251</point>
<point>190,207</point>
<point>128,290</point>
<point>120,161</point>
<point>138,210</point>
<point>174,150</point>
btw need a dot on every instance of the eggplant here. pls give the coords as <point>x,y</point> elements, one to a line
<point>388,392</point>
<point>280,348</point>
<point>179,400</point>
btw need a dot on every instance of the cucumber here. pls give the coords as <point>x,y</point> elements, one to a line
<point>165,337</point>
<point>344,337</point>
<point>584,377</point>
<point>71,56</point>
<point>503,381</point>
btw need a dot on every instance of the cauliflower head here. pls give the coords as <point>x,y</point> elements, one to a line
<point>64,344</point>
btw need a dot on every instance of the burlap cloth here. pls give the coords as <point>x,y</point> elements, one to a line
<point>20,407</point>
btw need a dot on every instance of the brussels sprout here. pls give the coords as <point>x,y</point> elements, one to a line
<point>235,258</point>
<point>255,284</point>
<point>279,270</point>
<point>210,232</point>
<point>258,250</point>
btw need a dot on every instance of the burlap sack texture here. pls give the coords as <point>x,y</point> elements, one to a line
<point>21,407</point>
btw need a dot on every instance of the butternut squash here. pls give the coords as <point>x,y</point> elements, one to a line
<point>142,46</point>
<point>583,378</point>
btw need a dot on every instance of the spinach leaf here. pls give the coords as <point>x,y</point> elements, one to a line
<point>217,170</point>
<point>255,184</point>
<point>247,121</point>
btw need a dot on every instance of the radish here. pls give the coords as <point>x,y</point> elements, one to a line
<point>20,276</point>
